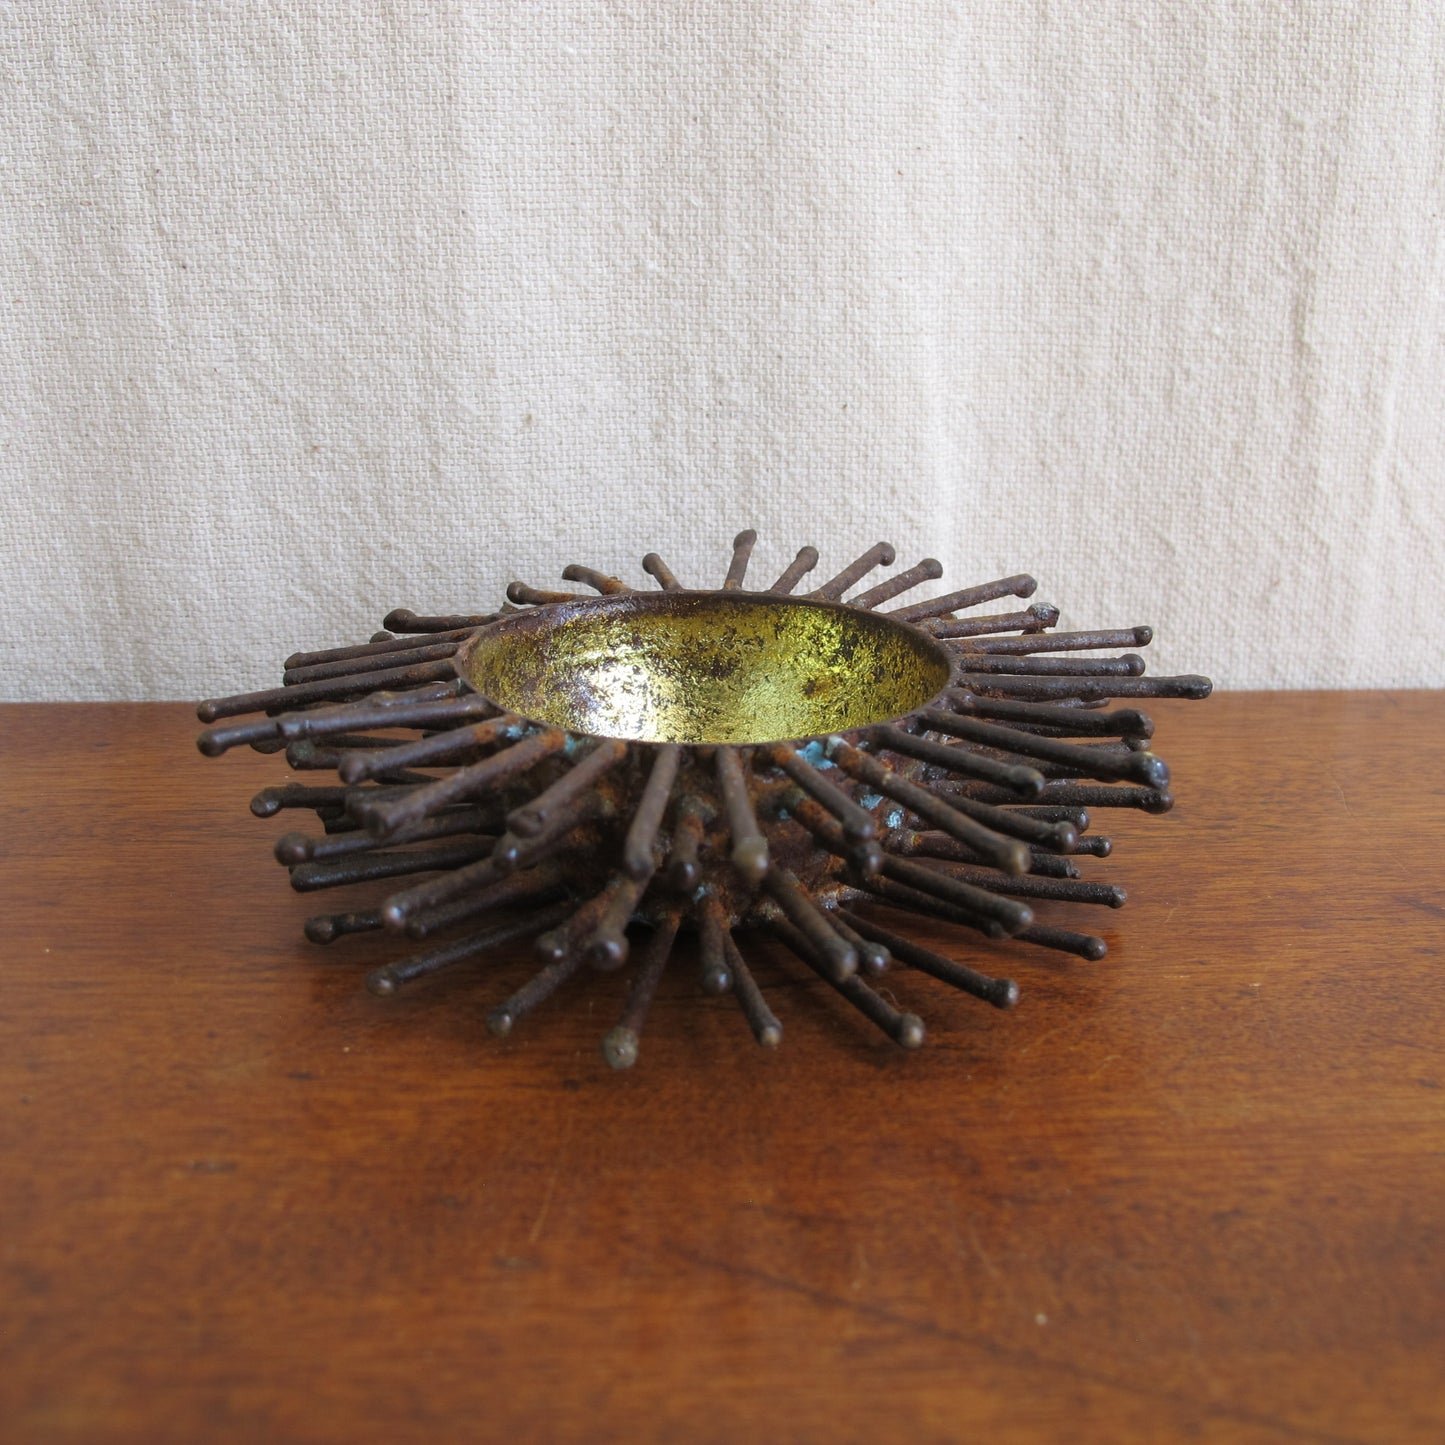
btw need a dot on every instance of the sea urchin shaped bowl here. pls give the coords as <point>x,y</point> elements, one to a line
<point>590,769</point>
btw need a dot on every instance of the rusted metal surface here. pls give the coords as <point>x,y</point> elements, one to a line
<point>608,767</point>
<point>742,550</point>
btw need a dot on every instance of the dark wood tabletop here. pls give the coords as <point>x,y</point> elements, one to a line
<point>1195,1191</point>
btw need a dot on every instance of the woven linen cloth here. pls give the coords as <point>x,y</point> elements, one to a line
<point>313,310</point>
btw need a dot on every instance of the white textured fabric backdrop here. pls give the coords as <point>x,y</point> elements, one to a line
<point>316,309</point>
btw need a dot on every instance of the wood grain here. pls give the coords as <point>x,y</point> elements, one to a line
<point>1195,1191</point>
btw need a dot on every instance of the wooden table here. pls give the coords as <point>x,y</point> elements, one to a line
<point>1195,1191</point>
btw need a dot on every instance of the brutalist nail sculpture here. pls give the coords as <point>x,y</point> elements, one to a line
<point>597,772</point>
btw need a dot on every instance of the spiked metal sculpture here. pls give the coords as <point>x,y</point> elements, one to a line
<point>579,769</point>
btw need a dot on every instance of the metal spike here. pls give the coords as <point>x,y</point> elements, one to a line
<point>1120,722</point>
<point>1056,837</point>
<point>1084,945</point>
<point>1033,619</point>
<point>620,1047</point>
<point>761,1019</point>
<point>1086,689</point>
<point>535,886</point>
<point>537,990</point>
<point>654,566</point>
<point>533,817</point>
<point>608,946</point>
<point>687,833</point>
<point>270,801</point>
<point>881,554</point>
<point>864,859</point>
<point>1008,853</point>
<point>858,823</point>
<point>716,976</point>
<point>356,666</point>
<point>526,596</point>
<point>807,917</point>
<point>1021,585</point>
<point>1024,781</point>
<point>940,845</point>
<point>750,848</point>
<point>911,900</point>
<point>1014,917</point>
<point>328,927</point>
<point>369,867</point>
<point>442,747</point>
<point>404,620</point>
<point>590,577</point>
<point>1060,890</point>
<point>327,690</point>
<point>928,570</point>
<point>1002,993</point>
<point>383,819</point>
<point>873,958</point>
<point>904,1029</point>
<point>975,662</point>
<point>638,848</point>
<point>387,644</point>
<point>1066,641</point>
<point>437,706</point>
<point>572,936</point>
<point>1087,795</point>
<point>513,852</point>
<point>387,979</point>
<point>796,570</point>
<point>737,569</point>
<point>1134,767</point>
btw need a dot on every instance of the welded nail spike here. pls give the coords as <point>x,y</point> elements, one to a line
<point>598,771</point>
<point>620,1045</point>
<point>598,580</point>
<point>796,570</point>
<point>654,566</point>
<point>1020,586</point>
<point>738,567</point>
<point>749,847</point>
<point>880,555</point>
<point>928,570</point>
<point>639,846</point>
